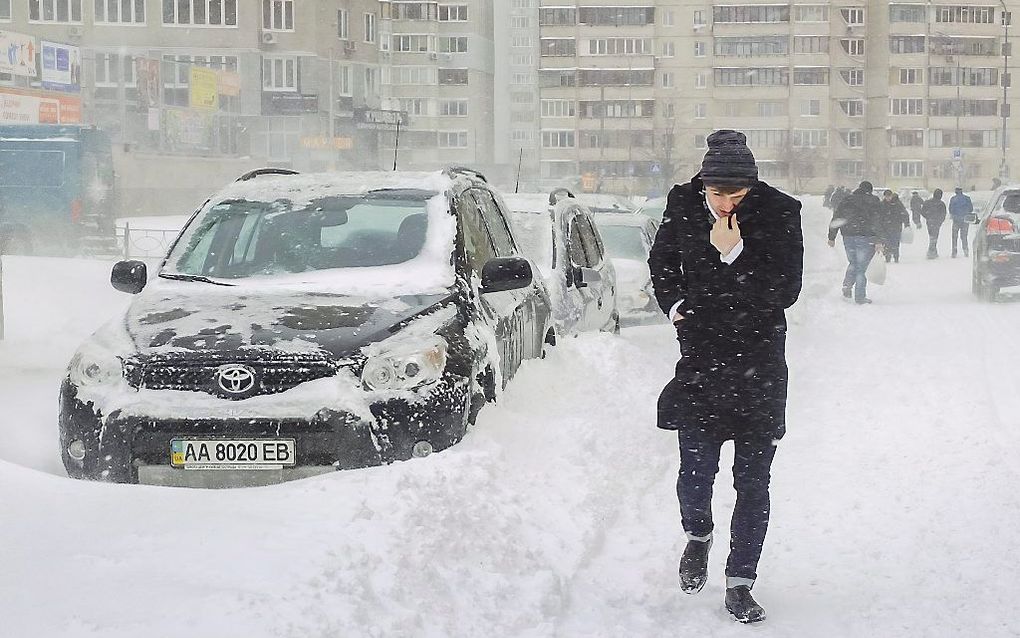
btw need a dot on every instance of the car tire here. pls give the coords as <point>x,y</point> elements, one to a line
<point>486,386</point>
<point>548,342</point>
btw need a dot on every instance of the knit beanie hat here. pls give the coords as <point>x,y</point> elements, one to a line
<point>728,161</point>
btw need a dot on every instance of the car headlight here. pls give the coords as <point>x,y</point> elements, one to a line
<point>93,365</point>
<point>405,366</point>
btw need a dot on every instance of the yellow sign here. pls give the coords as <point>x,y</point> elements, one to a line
<point>323,142</point>
<point>203,89</point>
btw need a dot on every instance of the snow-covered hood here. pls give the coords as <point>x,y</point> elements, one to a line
<point>182,318</point>
<point>631,273</point>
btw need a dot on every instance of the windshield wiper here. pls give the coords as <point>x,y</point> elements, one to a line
<point>179,277</point>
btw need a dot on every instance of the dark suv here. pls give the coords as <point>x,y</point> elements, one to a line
<point>302,324</point>
<point>996,247</point>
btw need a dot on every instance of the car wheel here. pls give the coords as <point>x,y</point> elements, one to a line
<point>548,342</point>
<point>485,393</point>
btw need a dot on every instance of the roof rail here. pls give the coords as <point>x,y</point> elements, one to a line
<point>462,170</point>
<point>559,191</point>
<point>259,172</point>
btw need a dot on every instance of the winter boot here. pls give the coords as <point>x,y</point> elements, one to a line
<point>694,566</point>
<point>741,605</point>
<point>847,291</point>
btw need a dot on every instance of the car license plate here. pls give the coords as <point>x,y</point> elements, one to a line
<point>232,454</point>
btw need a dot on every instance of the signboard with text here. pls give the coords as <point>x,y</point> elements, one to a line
<point>25,106</point>
<point>204,94</point>
<point>61,67</point>
<point>17,54</point>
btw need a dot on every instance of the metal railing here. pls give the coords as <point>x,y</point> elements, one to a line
<point>144,242</point>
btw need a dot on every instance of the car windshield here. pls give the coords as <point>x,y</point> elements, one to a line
<point>624,242</point>
<point>236,239</point>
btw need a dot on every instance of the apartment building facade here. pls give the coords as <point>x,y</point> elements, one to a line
<point>903,94</point>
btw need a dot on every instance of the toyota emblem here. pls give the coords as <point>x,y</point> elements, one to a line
<point>235,378</point>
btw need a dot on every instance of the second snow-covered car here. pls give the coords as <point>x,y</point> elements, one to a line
<point>996,244</point>
<point>628,239</point>
<point>560,237</point>
<point>302,324</point>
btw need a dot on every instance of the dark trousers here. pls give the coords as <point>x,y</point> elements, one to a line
<point>933,238</point>
<point>752,462</point>
<point>960,230</point>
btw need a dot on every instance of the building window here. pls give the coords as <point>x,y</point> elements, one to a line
<point>414,43</point>
<point>617,46</point>
<point>751,46</point>
<point>668,19</point>
<point>278,15</point>
<point>453,139</point>
<point>908,13</point>
<point>453,76</point>
<point>699,18</point>
<point>53,10</point>
<point>557,47</point>
<point>853,139</point>
<point>558,139</point>
<point>700,141</point>
<point>810,138</point>
<point>811,13</point>
<point>343,80</point>
<point>911,76</point>
<point>967,14</point>
<point>343,30</point>
<point>279,73</point>
<point>130,12</point>
<point>968,108</point>
<point>667,80</point>
<point>810,108</point>
<point>5,9</point>
<point>852,108</point>
<point>767,138</point>
<point>853,46</point>
<point>516,22</point>
<point>453,44</point>
<point>767,108</point>
<point>907,168</point>
<point>906,106</point>
<point>852,77</point>
<point>453,13</point>
<point>669,49</point>
<point>558,108</point>
<point>700,111</point>
<point>557,16</point>
<point>453,108</point>
<point>810,44</point>
<point>817,75</point>
<point>850,169</point>
<point>112,69</point>
<point>746,14</point>
<point>853,16</point>
<point>963,76</point>
<point>616,16</point>
<point>699,49</point>
<point>906,137</point>
<point>906,44</point>
<point>214,13</point>
<point>370,28</point>
<point>746,76</point>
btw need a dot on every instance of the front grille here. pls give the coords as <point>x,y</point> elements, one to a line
<point>230,376</point>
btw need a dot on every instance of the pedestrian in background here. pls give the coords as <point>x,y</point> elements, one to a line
<point>916,204</point>
<point>726,263</point>
<point>934,213</point>
<point>894,220</point>
<point>858,218</point>
<point>959,207</point>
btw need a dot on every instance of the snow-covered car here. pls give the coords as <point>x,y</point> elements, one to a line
<point>559,236</point>
<point>628,238</point>
<point>995,247</point>
<point>302,324</point>
<point>606,203</point>
<point>654,208</point>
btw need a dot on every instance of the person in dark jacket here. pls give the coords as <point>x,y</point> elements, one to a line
<point>894,220</point>
<point>916,204</point>
<point>934,213</point>
<point>726,263</point>
<point>859,219</point>
<point>959,207</point>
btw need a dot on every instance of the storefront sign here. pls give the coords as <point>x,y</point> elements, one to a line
<point>61,67</point>
<point>204,94</point>
<point>324,142</point>
<point>17,54</point>
<point>25,106</point>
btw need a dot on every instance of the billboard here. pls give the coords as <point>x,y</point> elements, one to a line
<point>61,67</point>
<point>204,94</point>
<point>17,54</point>
<point>26,106</point>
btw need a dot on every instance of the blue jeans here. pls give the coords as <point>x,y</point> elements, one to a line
<point>752,464</point>
<point>960,229</point>
<point>859,251</point>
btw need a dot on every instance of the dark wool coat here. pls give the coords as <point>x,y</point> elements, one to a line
<point>731,378</point>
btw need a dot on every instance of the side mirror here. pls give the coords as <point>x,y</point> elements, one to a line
<point>129,276</point>
<point>970,218</point>
<point>506,273</point>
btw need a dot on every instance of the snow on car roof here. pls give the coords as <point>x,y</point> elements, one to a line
<point>622,219</point>
<point>303,188</point>
<point>527,202</point>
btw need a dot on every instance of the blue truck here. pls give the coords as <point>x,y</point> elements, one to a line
<point>57,189</point>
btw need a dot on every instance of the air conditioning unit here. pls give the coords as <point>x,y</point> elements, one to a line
<point>350,45</point>
<point>74,32</point>
<point>433,56</point>
<point>268,37</point>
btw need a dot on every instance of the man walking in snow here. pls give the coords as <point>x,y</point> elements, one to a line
<point>726,263</point>
<point>934,213</point>
<point>859,218</point>
<point>959,207</point>
<point>916,204</point>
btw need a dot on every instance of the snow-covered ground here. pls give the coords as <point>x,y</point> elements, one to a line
<point>895,501</point>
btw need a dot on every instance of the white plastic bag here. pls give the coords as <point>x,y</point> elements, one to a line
<point>876,270</point>
<point>907,235</point>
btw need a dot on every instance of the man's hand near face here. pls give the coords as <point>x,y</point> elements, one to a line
<point>725,234</point>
